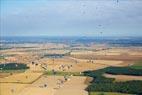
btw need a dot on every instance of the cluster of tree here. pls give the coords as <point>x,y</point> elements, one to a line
<point>97,75</point>
<point>13,66</point>
<point>57,55</point>
<point>133,87</point>
<point>124,71</point>
<point>103,84</point>
<point>2,48</point>
<point>54,55</point>
<point>63,73</point>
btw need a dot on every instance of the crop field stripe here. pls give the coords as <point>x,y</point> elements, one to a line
<point>25,82</point>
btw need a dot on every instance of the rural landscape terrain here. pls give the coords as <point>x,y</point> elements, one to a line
<point>70,47</point>
<point>70,66</point>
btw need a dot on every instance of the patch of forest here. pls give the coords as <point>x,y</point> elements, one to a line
<point>13,66</point>
<point>103,84</point>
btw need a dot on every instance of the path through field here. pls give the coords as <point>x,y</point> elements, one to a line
<point>49,85</point>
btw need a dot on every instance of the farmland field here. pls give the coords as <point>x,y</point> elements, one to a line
<point>137,65</point>
<point>64,69</point>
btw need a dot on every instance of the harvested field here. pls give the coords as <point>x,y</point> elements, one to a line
<point>2,75</point>
<point>123,54</point>
<point>110,57</point>
<point>26,77</point>
<point>75,86</point>
<point>77,65</point>
<point>11,88</point>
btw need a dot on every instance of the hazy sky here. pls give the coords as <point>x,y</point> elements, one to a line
<point>71,18</point>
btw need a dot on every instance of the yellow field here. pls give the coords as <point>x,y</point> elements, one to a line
<point>26,77</point>
<point>11,88</point>
<point>74,86</point>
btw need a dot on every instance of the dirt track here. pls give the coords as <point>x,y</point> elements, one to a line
<point>75,86</point>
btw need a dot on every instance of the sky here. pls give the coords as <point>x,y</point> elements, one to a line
<point>71,18</point>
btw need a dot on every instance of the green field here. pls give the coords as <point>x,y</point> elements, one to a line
<point>1,57</point>
<point>137,65</point>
